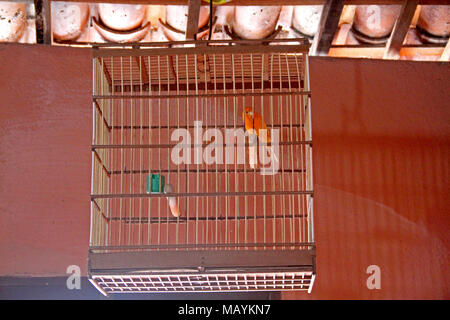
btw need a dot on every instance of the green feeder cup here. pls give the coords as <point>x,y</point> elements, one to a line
<point>155,183</point>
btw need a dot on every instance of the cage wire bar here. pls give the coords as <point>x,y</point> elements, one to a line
<point>241,226</point>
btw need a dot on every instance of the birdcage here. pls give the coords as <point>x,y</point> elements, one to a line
<point>185,196</point>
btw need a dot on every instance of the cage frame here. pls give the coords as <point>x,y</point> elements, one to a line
<point>297,259</point>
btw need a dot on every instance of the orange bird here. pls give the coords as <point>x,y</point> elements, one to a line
<point>253,123</point>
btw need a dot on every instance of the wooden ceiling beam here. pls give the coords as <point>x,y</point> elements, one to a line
<point>395,42</point>
<point>329,22</point>
<point>43,21</point>
<point>359,51</point>
<point>446,53</point>
<point>193,15</point>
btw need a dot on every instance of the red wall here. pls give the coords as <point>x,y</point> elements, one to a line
<point>381,169</point>
<point>381,134</point>
<point>45,159</point>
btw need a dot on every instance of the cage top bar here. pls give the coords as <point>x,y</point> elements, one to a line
<point>198,42</point>
<point>202,47</point>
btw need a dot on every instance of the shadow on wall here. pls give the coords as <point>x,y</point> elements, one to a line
<point>55,289</point>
